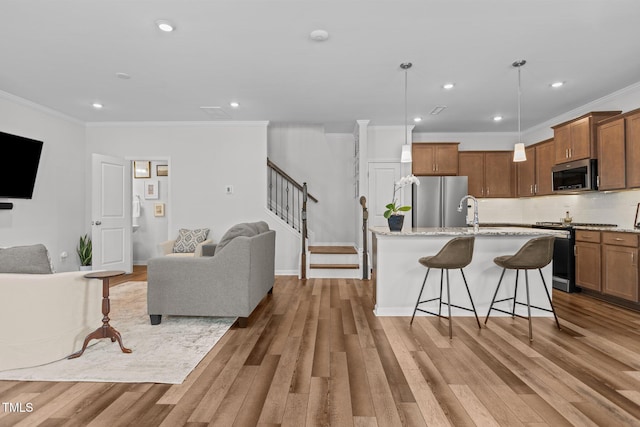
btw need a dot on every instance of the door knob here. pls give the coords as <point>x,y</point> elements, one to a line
<point>98,222</point>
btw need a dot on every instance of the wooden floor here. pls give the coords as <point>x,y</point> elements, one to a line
<point>314,354</point>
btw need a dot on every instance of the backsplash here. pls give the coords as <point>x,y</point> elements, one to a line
<point>595,207</point>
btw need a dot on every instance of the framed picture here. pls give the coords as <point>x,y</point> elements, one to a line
<point>636,222</point>
<point>151,189</point>
<point>162,170</point>
<point>141,169</point>
<point>158,209</point>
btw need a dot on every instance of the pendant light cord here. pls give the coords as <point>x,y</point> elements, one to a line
<point>405,105</point>
<point>519,105</point>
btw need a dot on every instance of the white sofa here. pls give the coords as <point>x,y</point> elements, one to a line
<point>45,317</point>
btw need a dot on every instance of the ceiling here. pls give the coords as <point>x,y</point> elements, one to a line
<point>65,54</point>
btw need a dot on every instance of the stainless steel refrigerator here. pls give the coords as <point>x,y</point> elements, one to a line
<point>435,201</point>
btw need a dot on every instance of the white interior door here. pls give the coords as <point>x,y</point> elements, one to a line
<point>111,213</point>
<point>382,178</point>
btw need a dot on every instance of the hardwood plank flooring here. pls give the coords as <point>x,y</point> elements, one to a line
<point>314,354</point>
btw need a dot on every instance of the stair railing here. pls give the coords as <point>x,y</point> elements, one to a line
<point>303,237</point>
<point>365,245</point>
<point>285,196</point>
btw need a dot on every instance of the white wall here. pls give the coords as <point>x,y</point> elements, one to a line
<point>55,216</point>
<point>152,229</point>
<point>326,163</point>
<point>205,157</point>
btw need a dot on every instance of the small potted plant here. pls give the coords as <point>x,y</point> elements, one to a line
<point>84,251</point>
<point>393,215</point>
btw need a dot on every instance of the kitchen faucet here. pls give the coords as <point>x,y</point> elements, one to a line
<point>476,222</point>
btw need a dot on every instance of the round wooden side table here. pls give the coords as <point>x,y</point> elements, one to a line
<point>106,330</point>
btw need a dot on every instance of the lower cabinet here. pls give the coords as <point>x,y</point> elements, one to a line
<point>607,262</point>
<point>587,251</point>
<point>620,265</point>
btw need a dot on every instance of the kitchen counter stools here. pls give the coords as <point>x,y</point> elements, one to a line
<point>534,254</point>
<point>456,253</point>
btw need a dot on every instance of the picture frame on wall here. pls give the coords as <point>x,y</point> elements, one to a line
<point>141,169</point>
<point>158,209</point>
<point>162,170</point>
<point>151,189</point>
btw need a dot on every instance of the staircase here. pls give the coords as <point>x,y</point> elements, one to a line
<point>333,262</point>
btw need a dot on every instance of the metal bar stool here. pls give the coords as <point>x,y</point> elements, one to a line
<point>456,253</point>
<point>534,254</point>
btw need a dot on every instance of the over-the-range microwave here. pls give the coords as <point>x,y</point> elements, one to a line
<point>581,175</point>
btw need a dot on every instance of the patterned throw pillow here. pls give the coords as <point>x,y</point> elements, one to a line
<point>188,239</point>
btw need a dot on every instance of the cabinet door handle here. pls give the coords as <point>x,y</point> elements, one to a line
<point>535,188</point>
<point>633,259</point>
<point>487,191</point>
<point>618,239</point>
<point>575,250</point>
<point>566,153</point>
<point>531,189</point>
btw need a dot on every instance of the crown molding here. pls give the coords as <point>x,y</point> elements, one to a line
<point>234,123</point>
<point>41,108</point>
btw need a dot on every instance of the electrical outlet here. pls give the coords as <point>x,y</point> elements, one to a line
<point>228,189</point>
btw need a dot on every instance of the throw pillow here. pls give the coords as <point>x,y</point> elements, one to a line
<point>33,259</point>
<point>188,239</point>
<point>247,229</point>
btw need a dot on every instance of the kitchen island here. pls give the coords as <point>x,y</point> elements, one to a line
<point>397,275</point>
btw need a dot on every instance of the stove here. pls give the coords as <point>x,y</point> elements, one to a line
<point>564,260</point>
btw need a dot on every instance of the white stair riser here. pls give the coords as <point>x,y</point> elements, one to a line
<point>333,258</point>
<point>333,273</point>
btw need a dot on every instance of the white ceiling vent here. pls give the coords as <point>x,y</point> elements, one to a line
<point>438,109</point>
<point>216,113</point>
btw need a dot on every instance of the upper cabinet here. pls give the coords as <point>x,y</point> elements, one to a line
<point>576,139</point>
<point>435,158</point>
<point>534,174</point>
<point>611,154</point>
<point>490,173</point>
<point>619,151</point>
<point>632,137</point>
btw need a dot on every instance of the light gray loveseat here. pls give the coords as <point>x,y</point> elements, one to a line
<point>229,284</point>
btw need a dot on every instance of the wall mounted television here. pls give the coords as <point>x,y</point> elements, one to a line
<point>19,162</point>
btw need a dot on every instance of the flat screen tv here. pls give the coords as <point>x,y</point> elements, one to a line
<point>19,160</point>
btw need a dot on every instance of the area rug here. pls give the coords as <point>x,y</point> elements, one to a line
<point>164,353</point>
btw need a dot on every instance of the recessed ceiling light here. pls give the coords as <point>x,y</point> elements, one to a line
<point>234,104</point>
<point>123,76</point>
<point>417,119</point>
<point>448,86</point>
<point>557,84</point>
<point>319,35</point>
<point>497,118</point>
<point>165,25</point>
<point>97,105</point>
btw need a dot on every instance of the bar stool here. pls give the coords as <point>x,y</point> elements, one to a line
<point>456,253</point>
<point>536,253</point>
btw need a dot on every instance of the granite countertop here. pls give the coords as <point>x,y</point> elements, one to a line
<point>614,229</point>
<point>461,231</point>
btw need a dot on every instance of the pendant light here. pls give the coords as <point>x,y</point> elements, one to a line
<point>406,148</point>
<point>519,155</point>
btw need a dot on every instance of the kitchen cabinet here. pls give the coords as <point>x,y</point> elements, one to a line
<point>611,154</point>
<point>490,173</point>
<point>587,254</point>
<point>632,136</point>
<point>435,158</point>
<point>576,139</point>
<point>534,174</point>
<point>620,265</point>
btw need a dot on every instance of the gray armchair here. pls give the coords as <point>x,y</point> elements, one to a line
<point>230,283</point>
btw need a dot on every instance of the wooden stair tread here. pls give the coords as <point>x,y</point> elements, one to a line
<point>332,250</point>
<point>336,266</point>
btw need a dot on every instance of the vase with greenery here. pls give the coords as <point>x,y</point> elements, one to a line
<point>393,213</point>
<point>84,251</point>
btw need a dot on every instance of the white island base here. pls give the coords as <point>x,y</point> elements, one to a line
<point>398,276</point>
